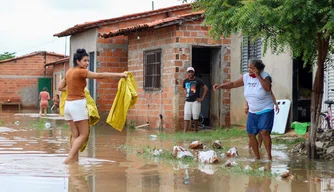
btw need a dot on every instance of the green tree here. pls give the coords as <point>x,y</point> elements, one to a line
<point>303,26</point>
<point>6,55</point>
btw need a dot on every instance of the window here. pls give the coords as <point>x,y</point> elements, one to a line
<point>250,50</point>
<point>152,69</point>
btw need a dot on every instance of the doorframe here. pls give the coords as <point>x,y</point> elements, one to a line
<point>217,94</point>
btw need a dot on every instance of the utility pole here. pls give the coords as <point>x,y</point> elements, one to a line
<point>152,5</point>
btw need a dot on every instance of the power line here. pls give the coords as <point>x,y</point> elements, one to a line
<point>34,46</point>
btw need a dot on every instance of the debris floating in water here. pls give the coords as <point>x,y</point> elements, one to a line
<point>230,164</point>
<point>47,125</point>
<point>248,168</point>
<point>157,152</point>
<point>217,144</point>
<point>196,145</point>
<point>17,123</point>
<point>286,175</point>
<point>208,157</point>
<point>180,152</point>
<point>233,152</point>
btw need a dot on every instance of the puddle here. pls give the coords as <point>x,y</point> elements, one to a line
<point>33,158</point>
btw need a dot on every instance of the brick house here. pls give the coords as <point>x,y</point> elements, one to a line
<point>156,46</point>
<point>19,76</point>
<point>58,69</point>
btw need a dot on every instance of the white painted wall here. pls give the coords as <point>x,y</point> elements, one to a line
<point>86,40</point>
<point>278,66</point>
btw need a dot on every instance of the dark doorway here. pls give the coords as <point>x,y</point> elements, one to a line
<point>206,61</point>
<point>91,68</point>
<point>302,89</point>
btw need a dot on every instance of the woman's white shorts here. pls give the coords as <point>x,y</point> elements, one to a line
<point>76,110</point>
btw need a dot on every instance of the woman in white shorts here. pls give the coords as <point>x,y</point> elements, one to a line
<point>75,106</point>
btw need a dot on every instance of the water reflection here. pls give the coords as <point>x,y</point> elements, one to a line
<point>33,157</point>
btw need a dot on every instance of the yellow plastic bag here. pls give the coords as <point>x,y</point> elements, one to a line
<point>126,97</point>
<point>93,113</point>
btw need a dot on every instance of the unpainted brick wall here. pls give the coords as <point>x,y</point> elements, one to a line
<point>19,78</point>
<point>112,56</point>
<point>176,43</point>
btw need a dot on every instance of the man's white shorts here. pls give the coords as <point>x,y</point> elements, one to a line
<point>76,110</point>
<point>192,109</point>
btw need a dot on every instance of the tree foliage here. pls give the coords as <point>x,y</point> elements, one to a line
<point>6,55</point>
<point>305,27</point>
<point>282,24</point>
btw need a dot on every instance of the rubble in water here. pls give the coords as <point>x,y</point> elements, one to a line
<point>217,144</point>
<point>233,152</point>
<point>196,145</point>
<point>208,157</point>
<point>180,152</point>
<point>324,146</point>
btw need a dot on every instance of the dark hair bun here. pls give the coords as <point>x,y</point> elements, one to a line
<point>81,51</point>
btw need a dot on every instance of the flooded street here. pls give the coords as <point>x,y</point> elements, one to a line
<point>31,159</point>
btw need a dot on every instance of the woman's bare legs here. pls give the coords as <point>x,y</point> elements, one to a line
<point>83,130</point>
<point>75,135</point>
<point>259,139</point>
<point>267,142</point>
<point>254,144</point>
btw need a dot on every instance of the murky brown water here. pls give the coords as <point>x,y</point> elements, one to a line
<point>31,160</point>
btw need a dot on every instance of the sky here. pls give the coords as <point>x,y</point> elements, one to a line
<point>29,25</point>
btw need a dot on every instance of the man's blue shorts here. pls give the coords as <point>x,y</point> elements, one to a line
<point>259,122</point>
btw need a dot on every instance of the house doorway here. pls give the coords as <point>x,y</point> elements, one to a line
<point>206,61</point>
<point>91,82</point>
<point>302,90</point>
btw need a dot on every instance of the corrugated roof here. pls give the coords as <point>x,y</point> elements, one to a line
<point>32,54</point>
<point>89,25</point>
<point>60,61</point>
<point>154,24</point>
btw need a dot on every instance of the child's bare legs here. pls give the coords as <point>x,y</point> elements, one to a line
<point>83,130</point>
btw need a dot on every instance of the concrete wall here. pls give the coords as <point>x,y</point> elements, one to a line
<point>86,40</point>
<point>237,96</point>
<point>278,66</point>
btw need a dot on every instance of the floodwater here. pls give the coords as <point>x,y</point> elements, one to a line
<point>31,160</point>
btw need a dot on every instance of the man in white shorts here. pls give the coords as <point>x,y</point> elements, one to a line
<point>192,107</point>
